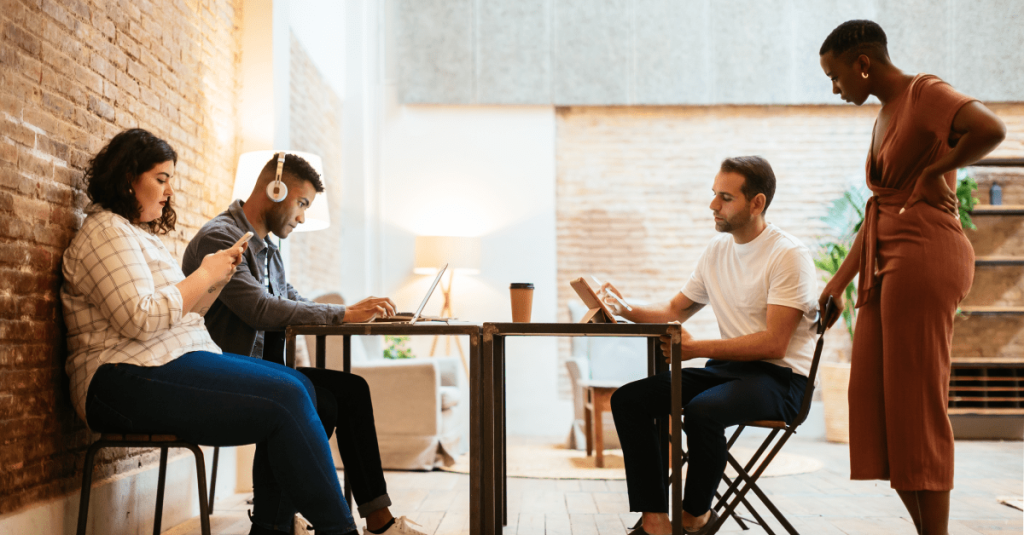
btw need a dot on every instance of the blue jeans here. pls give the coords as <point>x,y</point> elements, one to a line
<point>231,400</point>
<point>719,395</point>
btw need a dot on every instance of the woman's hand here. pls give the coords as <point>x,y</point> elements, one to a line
<point>220,266</point>
<point>837,302</point>
<point>931,187</point>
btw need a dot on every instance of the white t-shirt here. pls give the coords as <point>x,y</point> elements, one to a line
<point>740,281</point>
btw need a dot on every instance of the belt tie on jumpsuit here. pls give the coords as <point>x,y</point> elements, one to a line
<point>868,276</point>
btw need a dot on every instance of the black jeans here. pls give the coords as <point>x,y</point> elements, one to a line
<point>344,407</point>
<point>722,394</point>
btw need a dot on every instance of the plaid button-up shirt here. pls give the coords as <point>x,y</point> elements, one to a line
<point>121,303</point>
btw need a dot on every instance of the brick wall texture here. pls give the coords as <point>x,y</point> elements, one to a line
<point>634,184</point>
<point>72,74</point>
<point>316,127</point>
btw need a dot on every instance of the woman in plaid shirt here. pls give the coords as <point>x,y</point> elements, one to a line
<point>141,361</point>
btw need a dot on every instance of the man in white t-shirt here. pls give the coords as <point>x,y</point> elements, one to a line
<point>761,284</point>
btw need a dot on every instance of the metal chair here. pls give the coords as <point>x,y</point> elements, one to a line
<point>164,442</point>
<point>747,475</point>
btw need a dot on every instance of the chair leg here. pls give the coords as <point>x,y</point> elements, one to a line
<point>751,485</point>
<point>598,415</point>
<point>589,425</point>
<point>83,502</point>
<point>204,507</point>
<point>213,477</point>
<point>161,480</point>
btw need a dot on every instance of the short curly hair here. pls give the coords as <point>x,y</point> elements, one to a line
<point>296,166</point>
<point>860,36</point>
<point>117,166</point>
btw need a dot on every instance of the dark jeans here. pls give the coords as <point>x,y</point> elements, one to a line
<point>231,400</point>
<point>721,394</point>
<point>343,403</point>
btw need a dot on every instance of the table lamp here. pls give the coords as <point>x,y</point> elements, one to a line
<point>462,253</point>
<point>318,217</point>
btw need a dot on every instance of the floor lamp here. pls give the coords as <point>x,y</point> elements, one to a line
<point>462,253</point>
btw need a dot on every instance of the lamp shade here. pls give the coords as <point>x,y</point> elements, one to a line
<point>318,217</point>
<point>461,253</point>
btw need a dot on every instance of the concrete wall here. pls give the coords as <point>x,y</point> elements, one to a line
<point>652,52</point>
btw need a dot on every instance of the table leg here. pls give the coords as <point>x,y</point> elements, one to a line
<point>321,362</point>
<point>655,365</point>
<point>346,353</point>
<point>289,349</point>
<point>677,433</point>
<point>321,351</point>
<point>503,470</point>
<point>476,438</point>
<point>487,448</point>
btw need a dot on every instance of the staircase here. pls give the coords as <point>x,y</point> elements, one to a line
<point>986,391</point>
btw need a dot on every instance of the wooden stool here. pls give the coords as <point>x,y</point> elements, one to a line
<point>599,400</point>
<point>113,440</point>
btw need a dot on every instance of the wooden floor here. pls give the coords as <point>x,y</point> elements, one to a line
<point>822,502</point>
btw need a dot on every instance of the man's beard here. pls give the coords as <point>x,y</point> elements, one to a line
<point>729,225</point>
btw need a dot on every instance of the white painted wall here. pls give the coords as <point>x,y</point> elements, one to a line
<point>486,171</point>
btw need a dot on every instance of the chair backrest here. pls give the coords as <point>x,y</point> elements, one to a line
<point>821,326</point>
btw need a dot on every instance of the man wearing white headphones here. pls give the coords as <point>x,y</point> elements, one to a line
<point>249,318</point>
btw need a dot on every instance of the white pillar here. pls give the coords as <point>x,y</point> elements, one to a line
<point>264,119</point>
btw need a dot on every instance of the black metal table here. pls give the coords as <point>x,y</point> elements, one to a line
<point>348,330</point>
<point>488,494</point>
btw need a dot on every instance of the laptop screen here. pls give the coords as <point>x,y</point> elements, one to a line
<point>426,298</point>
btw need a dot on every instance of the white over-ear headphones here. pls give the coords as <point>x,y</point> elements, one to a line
<point>277,190</point>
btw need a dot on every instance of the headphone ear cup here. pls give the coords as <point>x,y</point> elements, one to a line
<point>277,191</point>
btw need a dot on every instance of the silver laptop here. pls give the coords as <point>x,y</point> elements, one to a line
<point>411,318</point>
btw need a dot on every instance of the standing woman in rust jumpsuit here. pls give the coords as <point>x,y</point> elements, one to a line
<point>914,263</point>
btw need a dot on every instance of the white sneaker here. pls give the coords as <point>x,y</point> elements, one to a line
<point>402,526</point>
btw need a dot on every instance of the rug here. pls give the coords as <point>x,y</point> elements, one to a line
<point>544,461</point>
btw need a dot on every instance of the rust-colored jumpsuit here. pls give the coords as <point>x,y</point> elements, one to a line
<point>915,269</point>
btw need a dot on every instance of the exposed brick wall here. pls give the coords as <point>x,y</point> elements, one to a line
<point>72,74</point>
<point>316,127</point>
<point>634,184</point>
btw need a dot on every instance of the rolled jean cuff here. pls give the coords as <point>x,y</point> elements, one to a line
<point>375,504</point>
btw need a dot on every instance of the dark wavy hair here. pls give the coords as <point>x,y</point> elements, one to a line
<point>117,166</point>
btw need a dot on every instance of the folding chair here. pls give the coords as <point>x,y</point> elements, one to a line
<point>748,475</point>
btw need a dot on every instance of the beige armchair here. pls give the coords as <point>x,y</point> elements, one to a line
<point>420,406</point>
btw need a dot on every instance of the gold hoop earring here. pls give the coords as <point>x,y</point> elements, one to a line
<point>865,75</point>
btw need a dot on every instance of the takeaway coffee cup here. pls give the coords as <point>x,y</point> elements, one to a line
<point>522,301</point>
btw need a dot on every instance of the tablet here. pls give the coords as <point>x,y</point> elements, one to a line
<point>593,302</point>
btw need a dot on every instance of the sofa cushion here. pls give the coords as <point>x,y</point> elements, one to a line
<point>450,397</point>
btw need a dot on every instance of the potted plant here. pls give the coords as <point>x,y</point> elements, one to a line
<point>845,217</point>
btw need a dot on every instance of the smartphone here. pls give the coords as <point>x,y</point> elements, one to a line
<point>243,239</point>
